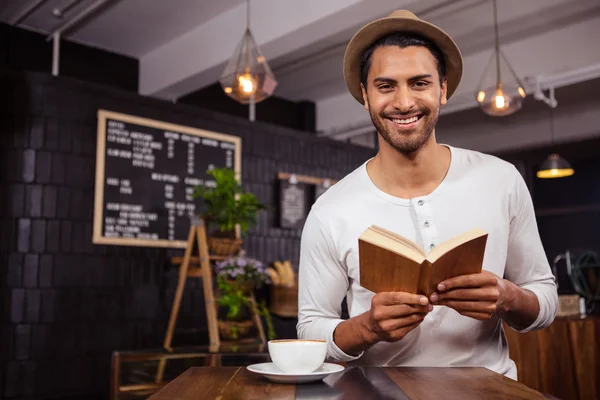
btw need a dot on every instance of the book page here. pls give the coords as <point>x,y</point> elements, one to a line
<point>456,241</point>
<point>399,238</point>
<point>464,259</point>
<point>389,243</point>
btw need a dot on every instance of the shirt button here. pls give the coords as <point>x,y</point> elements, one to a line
<point>420,202</point>
<point>431,246</point>
<point>426,224</point>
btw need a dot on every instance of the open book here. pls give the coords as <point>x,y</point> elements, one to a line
<point>390,262</point>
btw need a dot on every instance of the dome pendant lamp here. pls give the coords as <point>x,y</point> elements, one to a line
<point>554,166</point>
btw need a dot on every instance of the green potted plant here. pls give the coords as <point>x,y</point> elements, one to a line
<point>235,320</point>
<point>236,278</point>
<point>226,207</point>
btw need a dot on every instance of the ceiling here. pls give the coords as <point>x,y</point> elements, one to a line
<point>128,27</point>
<point>183,45</point>
<point>469,22</point>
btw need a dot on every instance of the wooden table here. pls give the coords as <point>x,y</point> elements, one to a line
<point>222,383</point>
<point>134,372</point>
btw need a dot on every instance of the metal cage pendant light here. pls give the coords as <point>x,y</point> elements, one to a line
<point>247,77</point>
<point>497,97</point>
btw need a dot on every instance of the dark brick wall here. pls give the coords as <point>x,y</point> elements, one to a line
<point>65,303</point>
<point>275,110</point>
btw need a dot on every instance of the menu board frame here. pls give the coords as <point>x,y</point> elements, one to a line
<point>103,116</point>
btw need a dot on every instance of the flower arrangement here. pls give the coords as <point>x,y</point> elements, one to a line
<point>236,277</point>
<point>244,271</point>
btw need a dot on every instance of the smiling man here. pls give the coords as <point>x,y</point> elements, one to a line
<point>403,70</point>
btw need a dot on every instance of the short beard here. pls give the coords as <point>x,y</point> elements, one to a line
<point>406,144</point>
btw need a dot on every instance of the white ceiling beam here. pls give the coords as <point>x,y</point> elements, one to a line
<point>195,59</point>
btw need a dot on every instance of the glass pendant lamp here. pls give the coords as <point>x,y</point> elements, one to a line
<point>247,77</point>
<point>495,96</point>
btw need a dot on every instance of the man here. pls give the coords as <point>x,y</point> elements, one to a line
<point>403,70</point>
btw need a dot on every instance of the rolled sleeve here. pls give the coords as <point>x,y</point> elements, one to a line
<point>548,301</point>
<point>334,352</point>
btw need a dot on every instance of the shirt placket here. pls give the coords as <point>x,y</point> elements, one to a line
<point>429,237</point>
<point>426,224</point>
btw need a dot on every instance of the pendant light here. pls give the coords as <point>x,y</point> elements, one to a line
<point>554,166</point>
<point>495,97</point>
<point>247,77</point>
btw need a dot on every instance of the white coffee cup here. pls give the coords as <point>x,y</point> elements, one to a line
<point>297,356</point>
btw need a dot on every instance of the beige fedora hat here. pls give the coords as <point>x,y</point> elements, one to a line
<point>400,21</point>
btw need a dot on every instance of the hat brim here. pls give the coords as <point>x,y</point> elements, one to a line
<point>380,28</point>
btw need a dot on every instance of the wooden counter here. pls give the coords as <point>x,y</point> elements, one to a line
<point>561,360</point>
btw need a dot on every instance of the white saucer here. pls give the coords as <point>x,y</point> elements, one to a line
<point>274,374</point>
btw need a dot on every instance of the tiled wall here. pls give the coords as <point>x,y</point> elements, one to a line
<point>67,304</point>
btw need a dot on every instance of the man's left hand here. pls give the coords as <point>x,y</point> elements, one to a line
<point>478,296</point>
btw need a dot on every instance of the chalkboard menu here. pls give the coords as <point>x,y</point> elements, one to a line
<point>146,172</point>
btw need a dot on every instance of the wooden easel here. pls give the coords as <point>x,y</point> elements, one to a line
<point>197,237</point>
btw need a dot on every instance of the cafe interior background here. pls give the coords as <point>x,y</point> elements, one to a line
<point>87,301</point>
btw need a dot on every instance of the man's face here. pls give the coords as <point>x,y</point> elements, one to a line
<point>403,95</point>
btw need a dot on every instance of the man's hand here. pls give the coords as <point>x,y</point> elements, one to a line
<point>391,317</point>
<point>394,314</point>
<point>478,296</point>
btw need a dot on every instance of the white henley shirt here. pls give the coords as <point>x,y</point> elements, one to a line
<point>479,190</point>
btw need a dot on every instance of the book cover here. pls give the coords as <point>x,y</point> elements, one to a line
<point>391,262</point>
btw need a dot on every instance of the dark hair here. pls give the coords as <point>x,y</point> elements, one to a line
<point>402,40</point>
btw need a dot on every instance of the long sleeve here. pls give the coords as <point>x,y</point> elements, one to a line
<point>322,286</point>
<point>527,265</point>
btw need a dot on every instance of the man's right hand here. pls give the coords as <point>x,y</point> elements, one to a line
<point>391,317</point>
<point>394,314</point>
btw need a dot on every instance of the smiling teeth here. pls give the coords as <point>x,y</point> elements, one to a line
<point>406,121</point>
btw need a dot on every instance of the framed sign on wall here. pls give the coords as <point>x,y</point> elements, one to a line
<point>296,195</point>
<point>146,171</point>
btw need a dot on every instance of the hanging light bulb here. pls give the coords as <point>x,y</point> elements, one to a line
<point>495,97</point>
<point>247,77</point>
<point>247,83</point>
<point>500,100</point>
